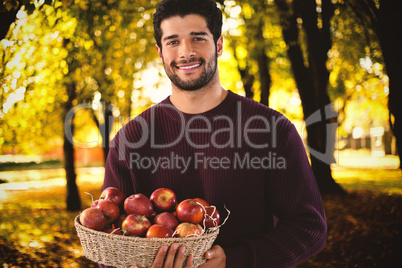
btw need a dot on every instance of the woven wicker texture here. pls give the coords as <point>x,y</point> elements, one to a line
<point>125,251</point>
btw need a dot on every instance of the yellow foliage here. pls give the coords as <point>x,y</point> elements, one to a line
<point>88,44</point>
<point>247,11</point>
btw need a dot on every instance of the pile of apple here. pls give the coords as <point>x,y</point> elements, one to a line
<point>160,215</point>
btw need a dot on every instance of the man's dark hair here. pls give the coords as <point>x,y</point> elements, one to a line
<point>204,8</point>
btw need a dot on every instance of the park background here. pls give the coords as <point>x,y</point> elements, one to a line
<point>95,64</point>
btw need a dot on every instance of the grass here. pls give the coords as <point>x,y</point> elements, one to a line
<point>364,226</point>
<point>381,180</point>
<point>37,231</point>
<point>7,166</point>
<point>364,230</point>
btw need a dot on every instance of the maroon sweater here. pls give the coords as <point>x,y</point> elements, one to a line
<point>240,154</point>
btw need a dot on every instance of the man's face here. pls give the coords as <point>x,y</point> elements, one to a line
<point>189,53</point>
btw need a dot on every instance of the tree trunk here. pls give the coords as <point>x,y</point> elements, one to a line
<point>263,65</point>
<point>107,127</point>
<point>73,198</point>
<point>248,81</point>
<point>312,83</point>
<point>261,57</point>
<point>265,77</point>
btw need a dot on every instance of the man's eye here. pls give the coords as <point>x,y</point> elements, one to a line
<point>172,42</point>
<point>199,39</point>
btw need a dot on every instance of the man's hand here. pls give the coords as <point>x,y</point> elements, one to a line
<point>216,258</point>
<point>174,257</point>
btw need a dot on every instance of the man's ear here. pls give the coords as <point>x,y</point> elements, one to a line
<point>219,46</point>
<point>159,51</point>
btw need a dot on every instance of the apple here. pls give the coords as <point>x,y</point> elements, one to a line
<point>113,231</point>
<point>93,218</point>
<point>113,194</point>
<point>138,204</point>
<point>201,201</point>
<point>95,203</point>
<point>189,211</point>
<point>119,221</point>
<point>163,199</point>
<point>212,217</point>
<point>160,231</point>
<point>186,229</point>
<point>167,219</point>
<point>109,209</point>
<point>135,225</point>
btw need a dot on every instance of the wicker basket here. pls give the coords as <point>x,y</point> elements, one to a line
<point>125,251</point>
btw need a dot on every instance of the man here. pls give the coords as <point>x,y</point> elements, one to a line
<point>204,141</point>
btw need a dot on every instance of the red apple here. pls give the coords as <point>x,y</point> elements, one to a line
<point>139,204</point>
<point>167,219</point>
<point>93,218</point>
<point>95,203</point>
<point>189,211</point>
<point>119,221</point>
<point>201,201</point>
<point>113,231</point>
<point>109,209</point>
<point>186,229</point>
<point>159,230</point>
<point>135,225</point>
<point>163,199</point>
<point>212,217</point>
<point>113,194</point>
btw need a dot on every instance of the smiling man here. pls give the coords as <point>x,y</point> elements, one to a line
<point>237,153</point>
<point>190,52</point>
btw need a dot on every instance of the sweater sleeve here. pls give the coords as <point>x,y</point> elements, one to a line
<point>300,230</point>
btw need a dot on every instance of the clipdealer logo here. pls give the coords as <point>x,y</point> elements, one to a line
<point>325,114</point>
<point>238,133</point>
<point>201,161</point>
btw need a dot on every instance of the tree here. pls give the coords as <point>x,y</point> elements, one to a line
<point>385,19</point>
<point>358,82</point>
<point>41,68</point>
<point>114,38</point>
<point>84,50</point>
<point>97,65</point>
<point>10,8</point>
<point>311,74</point>
<point>253,47</point>
<point>73,200</point>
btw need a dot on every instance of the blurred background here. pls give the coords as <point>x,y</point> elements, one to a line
<point>73,72</point>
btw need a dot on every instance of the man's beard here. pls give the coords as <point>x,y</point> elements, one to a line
<point>191,85</point>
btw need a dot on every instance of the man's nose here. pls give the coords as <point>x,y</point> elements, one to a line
<point>186,49</point>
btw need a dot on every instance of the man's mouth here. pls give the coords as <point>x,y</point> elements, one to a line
<point>188,64</point>
<point>187,67</point>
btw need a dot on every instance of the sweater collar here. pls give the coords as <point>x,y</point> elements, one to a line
<point>221,109</point>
